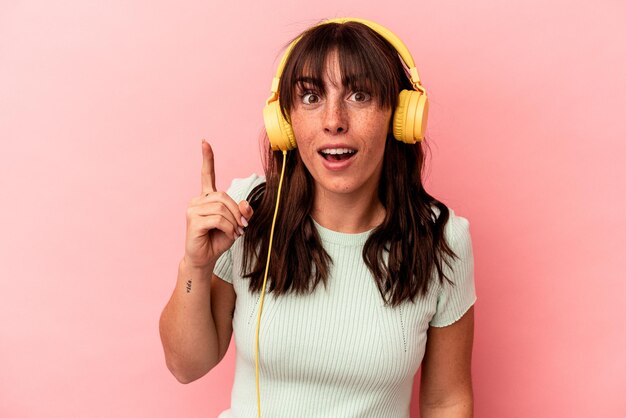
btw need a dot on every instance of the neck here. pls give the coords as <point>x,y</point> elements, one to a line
<point>347,213</point>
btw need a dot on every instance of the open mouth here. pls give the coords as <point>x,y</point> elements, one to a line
<point>337,154</point>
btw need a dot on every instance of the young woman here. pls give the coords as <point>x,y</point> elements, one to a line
<point>370,277</point>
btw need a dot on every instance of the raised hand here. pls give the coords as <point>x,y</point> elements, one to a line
<point>214,219</point>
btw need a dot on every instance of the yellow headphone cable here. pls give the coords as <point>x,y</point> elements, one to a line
<point>267,264</point>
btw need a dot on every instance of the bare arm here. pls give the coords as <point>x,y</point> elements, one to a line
<point>196,324</point>
<point>195,332</point>
<point>446,382</point>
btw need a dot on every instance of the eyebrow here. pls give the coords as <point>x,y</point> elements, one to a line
<point>351,81</point>
<point>309,80</point>
<point>358,81</point>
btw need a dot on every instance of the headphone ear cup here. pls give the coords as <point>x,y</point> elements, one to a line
<point>279,131</point>
<point>410,116</point>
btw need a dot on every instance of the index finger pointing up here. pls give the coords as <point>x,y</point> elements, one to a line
<point>207,177</point>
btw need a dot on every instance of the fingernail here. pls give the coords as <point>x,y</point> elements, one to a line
<point>240,229</point>
<point>244,222</point>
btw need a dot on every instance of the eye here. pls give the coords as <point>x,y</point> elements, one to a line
<point>310,98</point>
<point>361,96</point>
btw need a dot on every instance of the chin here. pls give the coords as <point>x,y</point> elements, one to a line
<point>340,186</point>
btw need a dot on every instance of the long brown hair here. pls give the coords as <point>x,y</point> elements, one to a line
<point>411,235</point>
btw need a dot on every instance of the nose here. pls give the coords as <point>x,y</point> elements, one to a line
<point>335,117</point>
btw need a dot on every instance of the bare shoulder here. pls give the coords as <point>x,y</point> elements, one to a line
<point>223,299</point>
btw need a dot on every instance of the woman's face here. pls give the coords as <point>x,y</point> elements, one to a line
<point>340,135</point>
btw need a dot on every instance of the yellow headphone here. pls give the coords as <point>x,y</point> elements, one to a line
<point>410,115</point>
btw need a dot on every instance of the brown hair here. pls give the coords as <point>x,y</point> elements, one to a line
<point>411,235</point>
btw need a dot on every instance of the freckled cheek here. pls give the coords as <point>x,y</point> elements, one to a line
<point>304,141</point>
<point>377,128</point>
<point>302,132</point>
<point>374,122</point>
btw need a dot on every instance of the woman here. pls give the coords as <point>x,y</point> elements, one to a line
<point>395,264</point>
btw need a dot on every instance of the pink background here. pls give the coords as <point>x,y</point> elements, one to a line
<point>102,109</point>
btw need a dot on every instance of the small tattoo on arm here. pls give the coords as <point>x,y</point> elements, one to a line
<point>188,286</point>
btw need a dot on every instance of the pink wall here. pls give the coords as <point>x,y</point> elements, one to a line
<point>102,108</point>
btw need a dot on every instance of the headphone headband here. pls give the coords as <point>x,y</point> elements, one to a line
<point>400,47</point>
<point>409,116</point>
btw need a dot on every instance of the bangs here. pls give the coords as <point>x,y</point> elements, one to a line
<point>367,62</point>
